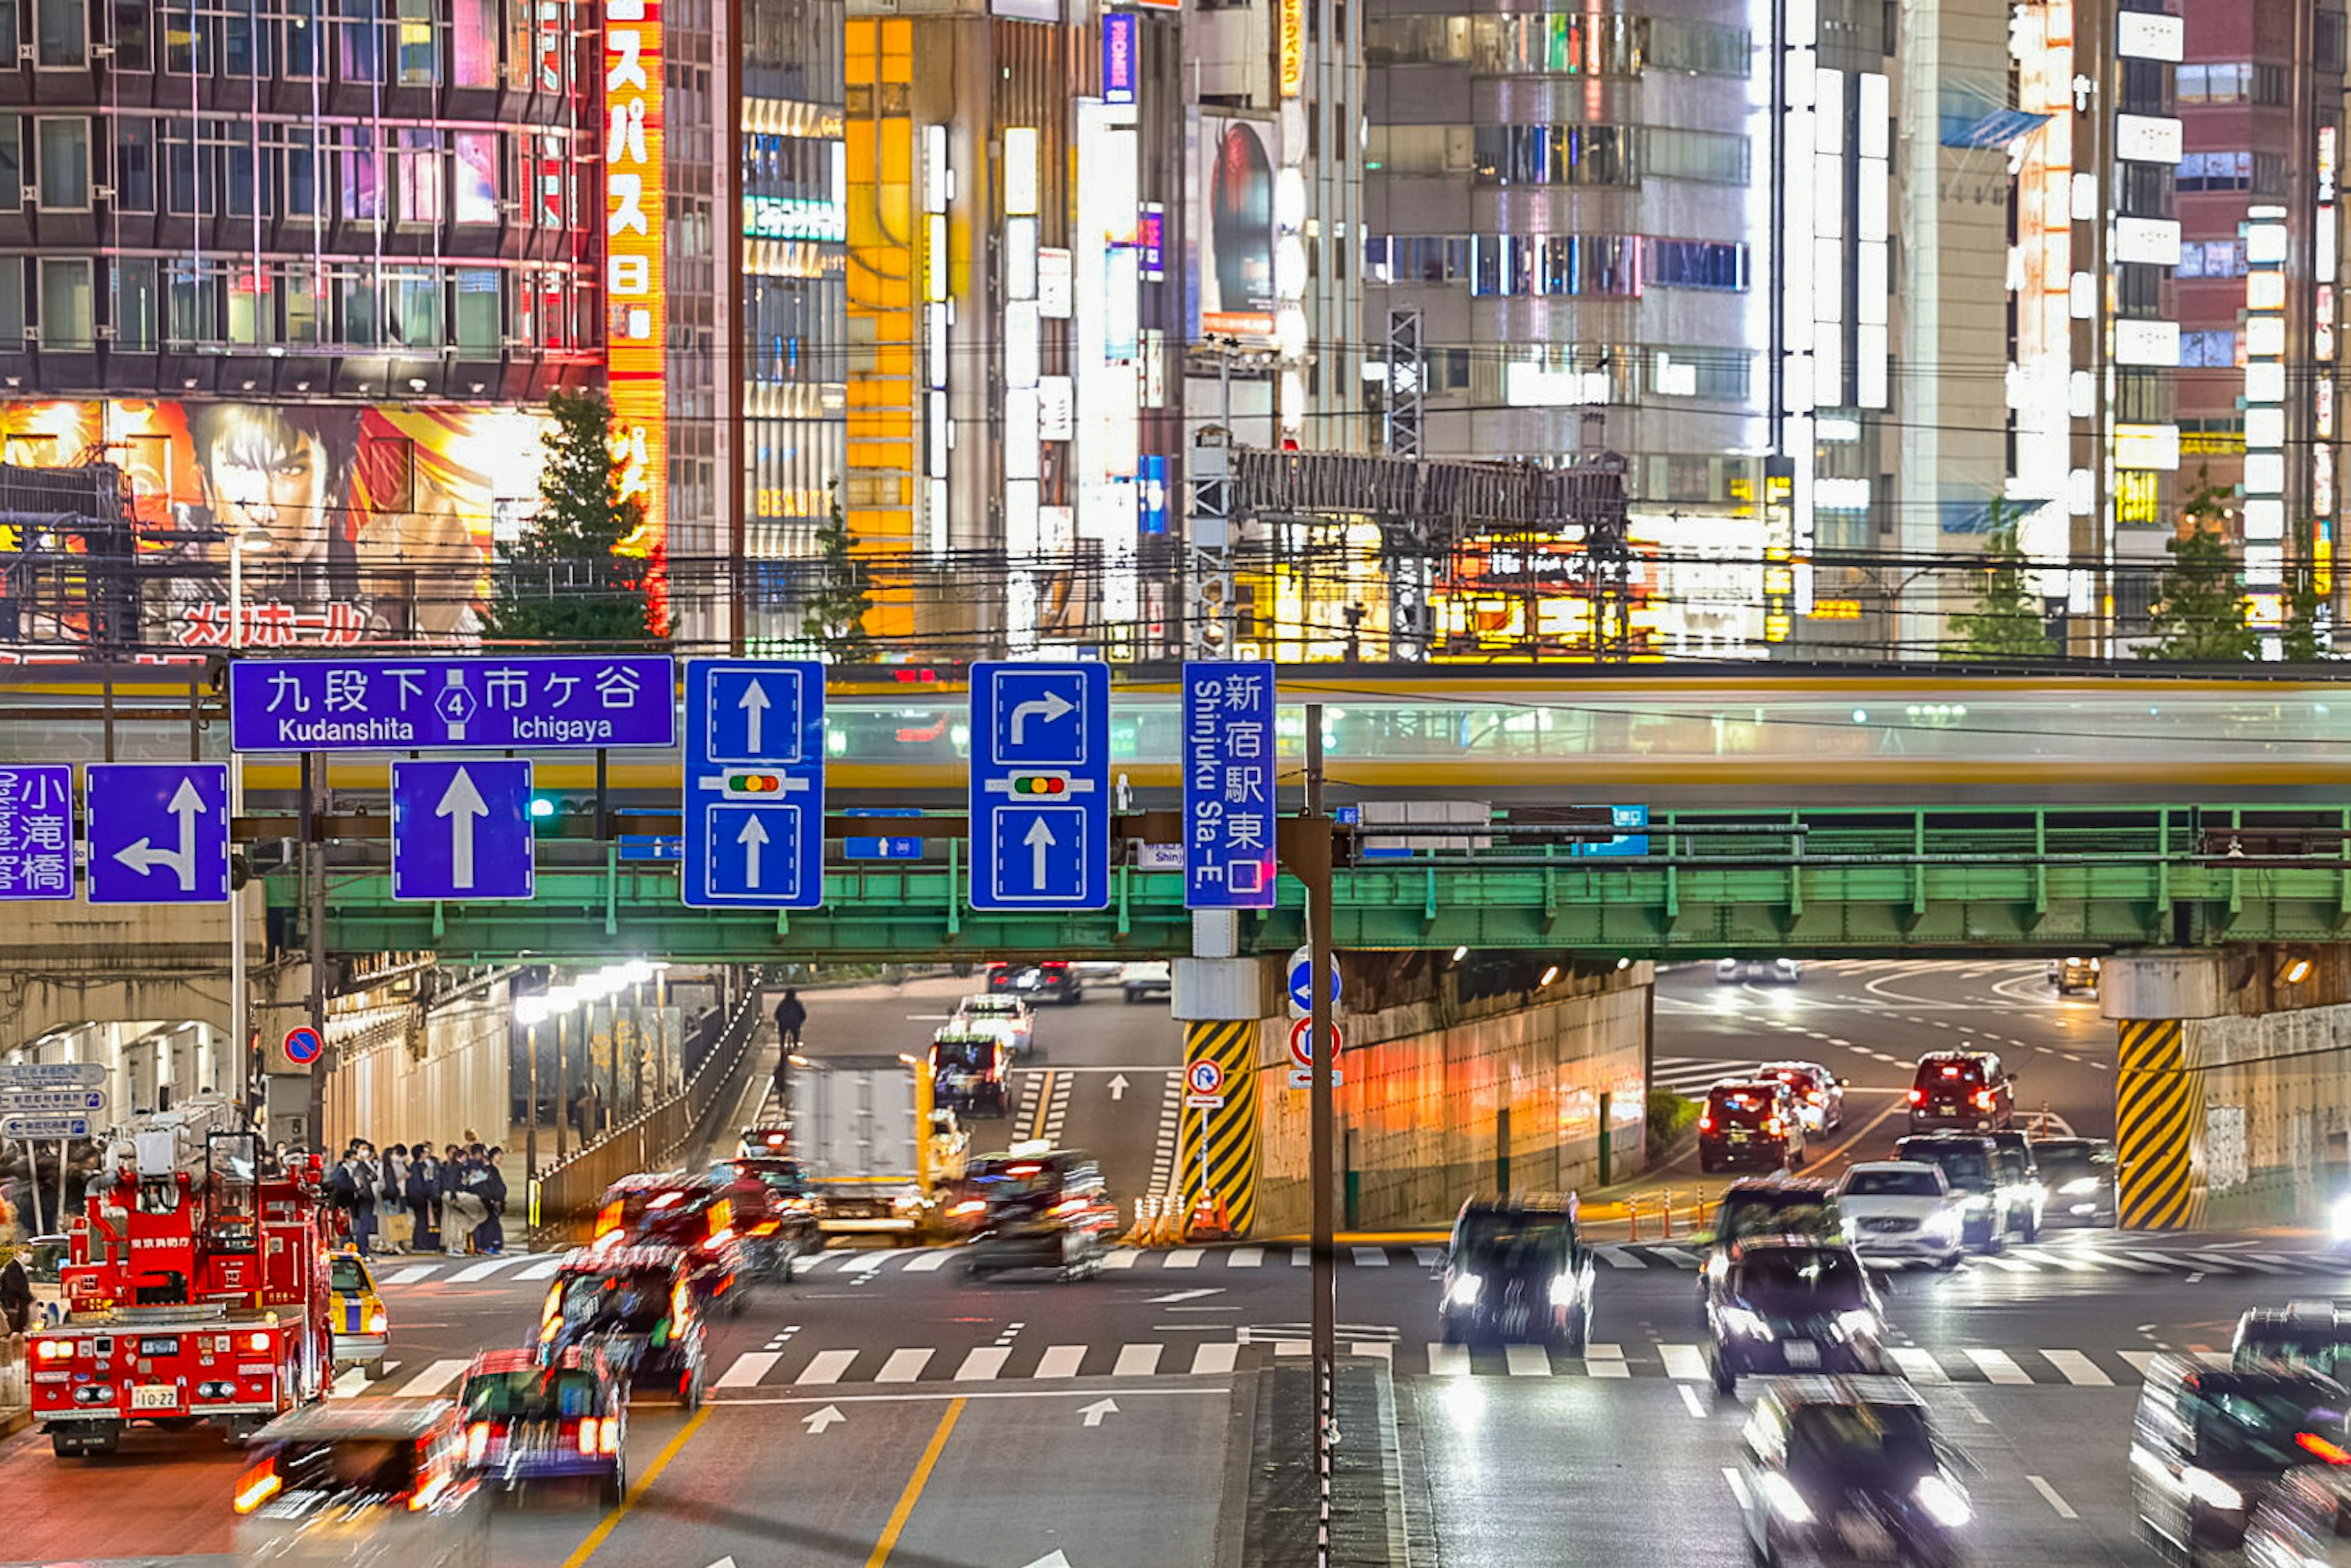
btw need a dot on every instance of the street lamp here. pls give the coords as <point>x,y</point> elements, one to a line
<point>561,1000</point>
<point>530,1011</point>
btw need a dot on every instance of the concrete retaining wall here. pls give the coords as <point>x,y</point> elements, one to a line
<point>402,1078</point>
<point>1436,1092</point>
<point>2277,1104</point>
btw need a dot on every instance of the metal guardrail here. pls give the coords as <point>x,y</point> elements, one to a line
<point>652,1138</point>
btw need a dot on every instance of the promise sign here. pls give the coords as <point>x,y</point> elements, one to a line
<point>636,203</point>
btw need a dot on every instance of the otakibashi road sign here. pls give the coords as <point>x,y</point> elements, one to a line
<point>461,830</point>
<point>441,704</point>
<point>754,812</point>
<point>37,831</point>
<point>157,832</point>
<point>1039,785</point>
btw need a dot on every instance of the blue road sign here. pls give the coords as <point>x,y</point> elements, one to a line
<point>54,1102</point>
<point>1229,784</point>
<point>157,832</point>
<point>461,830</point>
<point>884,849</point>
<point>303,1045</point>
<point>44,1127</point>
<point>53,1076</point>
<point>652,847</point>
<point>753,812</point>
<point>441,704</point>
<point>1302,981</point>
<point>1634,843</point>
<point>37,831</point>
<point>1039,785</point>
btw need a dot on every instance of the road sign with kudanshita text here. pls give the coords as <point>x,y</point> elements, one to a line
<point>444,705</point>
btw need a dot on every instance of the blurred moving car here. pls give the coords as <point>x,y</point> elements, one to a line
<point>362,1329</point>
<point>1898,1210</point>
<point>1767,971</point>
<point>1007,1018</point>
<point>1963,1090</point>
<point>763,1139</point>
<point>2080,1175</point>
<point>692,1213</point>
<point>1849,1469</point>
<point>967,1069</point>
<point>1787,1305</point>
<point>2308,1336</point>
<point>1749,1123</point>
<point>2067,976</point>
<point>1819,1093</point>
<point>1051,980</point>
<point>636,1304</point>
<point>361,1483</point>
<point>775,1210</point>
<point>2019,1174</point>
<point>1141,982</point>
<point>1036,1208</point>
<point>1973,1167</point>
<point>1091,969</point>
<point>1773,1205</point>
<point>562,1416</point>
<point>2207,1446</point>
<point>2304,1522</point>
<point>1518,1271</point>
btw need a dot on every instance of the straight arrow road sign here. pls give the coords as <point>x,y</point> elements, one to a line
<point>157,832</point>
<point>752,837</point>
<point>817,1421</point>
<point>753,784</point>
<point>462,829</point>
<point>1039,785</point>
<point>1117,1087</point>
<point>1094,1412</point>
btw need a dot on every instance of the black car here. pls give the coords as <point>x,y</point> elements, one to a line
<point>1968,1090</point>
<point>1849,1469</point>
<point>2308,1336</point>
<point>1756,1125</point>
<point>1052,980</point>
<point>2079,1177</point>
<point>1792,1306</point>
<point>691,1213</point>
<point>1518,1271</point>
<point>1756,1207</point>
<point>775,1210</point>
<point>2207,1446</point>
<point>637,1304</point>
<point>1975,1169</point>
<point>1048,1209</point>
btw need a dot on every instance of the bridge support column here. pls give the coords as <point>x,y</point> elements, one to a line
<point>2159,1112</point>
<point>1221,998</point>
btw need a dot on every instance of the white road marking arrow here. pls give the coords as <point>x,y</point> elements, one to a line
<point>1039,838</point>
<point>1182,1296</point>
<point>1094,1412</point>
<point>187,804</point>
<point>724,1563</point>
<point>1051,1560</point>
<point>461,803</point>
<point>1053,705</point>
<point>752,836</point>
<point>1117,1087</point>
<point>829,1416</point>
<point>754,704</point>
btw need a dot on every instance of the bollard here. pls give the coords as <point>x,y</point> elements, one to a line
<point>1633,1217</point>
<point>1667,1230</point>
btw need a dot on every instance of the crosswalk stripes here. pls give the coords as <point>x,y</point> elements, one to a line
<point>983,1363</point>
<point>828,1366</point>
<point>1062,1360</point>
<point>1171,1119</point>
<point>749,1368</point>
<point>1692,1076</point>
<point>2078,1369</point>
<point>904,1367</point>
<point>1917,1365</point>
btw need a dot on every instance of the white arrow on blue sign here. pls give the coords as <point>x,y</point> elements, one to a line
<point>1302,981</point>
<point>1039,785</point>
<point>157,832</point>
<point>44,1127</point>
<point>754,813</point>
<point>52,1075</point>
<point>461,830</point>
<point>53,1102</point>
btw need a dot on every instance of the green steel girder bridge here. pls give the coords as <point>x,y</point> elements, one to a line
<point>1962,882</point>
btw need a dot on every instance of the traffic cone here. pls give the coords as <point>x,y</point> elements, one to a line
<point>1209,1222</point>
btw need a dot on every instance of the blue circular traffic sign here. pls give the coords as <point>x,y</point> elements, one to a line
<point>1301,984</point>
<point>303,1045</point>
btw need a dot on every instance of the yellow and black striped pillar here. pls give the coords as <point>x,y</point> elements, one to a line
<point>1230,1128</point>
<point>2158,1129</point>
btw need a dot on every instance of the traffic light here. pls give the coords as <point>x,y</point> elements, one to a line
<point>1040,784</point>
<point>753,784</point>
<point>541,808</point>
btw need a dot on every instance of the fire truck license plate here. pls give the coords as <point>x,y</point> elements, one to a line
<point>158,1347</point>
<point>154,1396</point>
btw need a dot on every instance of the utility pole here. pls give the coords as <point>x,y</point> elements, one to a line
<point>1314,844</point>
<point>314,866</point>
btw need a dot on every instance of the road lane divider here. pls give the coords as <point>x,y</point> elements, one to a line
<point>888,1542</point>
<point>643,1484</point>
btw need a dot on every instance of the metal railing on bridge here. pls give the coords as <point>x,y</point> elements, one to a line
<point>656,1136</point>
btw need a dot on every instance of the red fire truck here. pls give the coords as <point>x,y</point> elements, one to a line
<point>196,1289</point>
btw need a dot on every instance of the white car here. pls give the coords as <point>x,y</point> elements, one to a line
<point>1901,1210</point>
<point>1148,978</point>
<point>1764,971</point>
<point>1006,1018</point>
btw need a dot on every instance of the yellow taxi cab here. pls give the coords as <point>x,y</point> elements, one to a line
<point>363,1328</point>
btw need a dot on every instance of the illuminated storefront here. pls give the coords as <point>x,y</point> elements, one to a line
<point>635,278</point>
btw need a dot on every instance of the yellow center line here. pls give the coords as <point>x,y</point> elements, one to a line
<point>598,1536</point>
<point>1044,1103</point>
<point>880,1556</point>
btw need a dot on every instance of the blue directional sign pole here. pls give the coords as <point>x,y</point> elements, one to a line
<point>754,810</point>
<point>157,832</point>
<point>1039,785</point>
<point>461,830</point>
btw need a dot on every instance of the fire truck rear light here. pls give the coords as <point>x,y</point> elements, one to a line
<point>1984,1099</point>
<point>95,1394</point>
<point>257,1343</point>
<point>53,1350</point>
<point>608,1435</point>
<point>215,1390</point>
<point>257,1486</point>
<point>588,1436</point>
<point>1917,1096</point>
<point>477,1442</point>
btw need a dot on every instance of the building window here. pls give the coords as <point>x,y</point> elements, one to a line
<point>2232,82</point>
<point>355,41</point>
<point>236,154</point>
<point>2142,396</point>
<point>63,148</point>
<point>2211,350</point>
<point>182,190</point>
<point>2143,190</point>
<point>416,51</point>
<point>1697,264</point>
<point>251,312</point>
<point>2146,87</point>
<point>1557,156</point>
<point>414,299</point>
<point>131,50</point>
<point>479,326</point>
<point>301,182</point>
<point>244,33</point>
<point>418,170</point>
<point>68,315</point>
<point>187,39</point>
<point>2138,290</point>
<point>473,43</point>
<point>12,304</point>
<point>193,305</point>
<point>2216,171</point>
<point>61,33</point>
<point>362,175</point>
<point>134,164</point>
<point>12,163</point>
<point>2213,258</point>
<point>134,305</point>
<point>355,305</point>
<point>305,32</point>
<point>474,199</point>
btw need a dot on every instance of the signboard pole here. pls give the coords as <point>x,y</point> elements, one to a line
<point>240,1027</point>
<point>1314,839</point>
<point>314,868</point>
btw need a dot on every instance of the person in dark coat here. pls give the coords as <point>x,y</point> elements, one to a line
<point>15,1298</point>
<point>424,1198</point>
<point>485,1181</point>
<point>366,1179</point>
<point>791,1014</point>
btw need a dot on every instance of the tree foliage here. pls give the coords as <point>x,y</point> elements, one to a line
<point>2199,609</point>
<point>562,582</point>
<point>2006,623</point>
<point>834,619</point>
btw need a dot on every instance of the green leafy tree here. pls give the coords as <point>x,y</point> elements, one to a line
<point>2200,609</point>
<point>834,619</point>
<point>565,581</point>
<point>2006,623</point>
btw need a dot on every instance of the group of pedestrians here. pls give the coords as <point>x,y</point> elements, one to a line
<point>410,1200</point>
